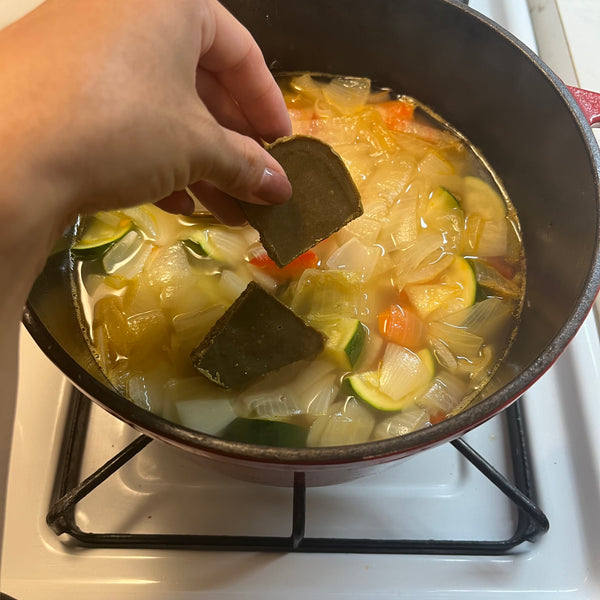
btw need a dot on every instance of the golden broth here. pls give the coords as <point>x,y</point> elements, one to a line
<point>418,298</point>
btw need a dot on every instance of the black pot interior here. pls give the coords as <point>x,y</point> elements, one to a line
<point>506,103</point>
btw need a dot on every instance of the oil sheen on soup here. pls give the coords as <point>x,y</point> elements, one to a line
<point>418,298</point>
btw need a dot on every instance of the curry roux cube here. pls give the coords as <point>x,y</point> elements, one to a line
<point>256,335</point>
<point>324,199</point>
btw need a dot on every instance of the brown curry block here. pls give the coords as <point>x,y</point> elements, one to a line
<point>256,335</point>
<point>324,198</point>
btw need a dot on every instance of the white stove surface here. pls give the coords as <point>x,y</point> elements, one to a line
<point>441,496</point>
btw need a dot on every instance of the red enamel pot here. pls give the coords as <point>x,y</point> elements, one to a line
<point>509,104</point>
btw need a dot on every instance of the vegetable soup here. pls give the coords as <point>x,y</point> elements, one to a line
<point>417,299</point>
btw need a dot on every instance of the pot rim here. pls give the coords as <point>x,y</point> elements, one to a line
<point>391,448</point>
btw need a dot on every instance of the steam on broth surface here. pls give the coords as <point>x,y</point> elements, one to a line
<point>418,298</point>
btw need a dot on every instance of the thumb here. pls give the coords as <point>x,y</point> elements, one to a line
<point>238,166</point>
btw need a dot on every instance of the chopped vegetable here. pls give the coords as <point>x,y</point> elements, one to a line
<point>220,243</point>
<point>265,433</point>
<point>208,415</point>
<point>345,339</point>
<point>442,212</point>
<point>348,422</point>
<point>393,386</point>
<point>456,284</point>
<point>293,270</point>
<point>396,112</point>
<point>403,422</point>
<point>99,236</point>
<point>401,325</point>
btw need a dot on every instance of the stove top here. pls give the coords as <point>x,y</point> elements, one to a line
<point>435,495</point>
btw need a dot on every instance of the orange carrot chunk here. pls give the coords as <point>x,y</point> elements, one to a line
<point>402,326</point>
<point>396,113</point>
<point>293,270</point>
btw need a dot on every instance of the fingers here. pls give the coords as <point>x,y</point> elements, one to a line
<point>222,206</point>
<point>237,165</point>
<point>237,63</point>
<point>221,105</point>
<point>178,203</point>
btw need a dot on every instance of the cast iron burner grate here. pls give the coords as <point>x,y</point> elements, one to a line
<point>69,490</point>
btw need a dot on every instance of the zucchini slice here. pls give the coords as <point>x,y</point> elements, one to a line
<point>345,339</point>
<point>442,212</point>
<point>456,284</point>
<point>416,374</point>
<point>265,433</point>
<point>98,236</point>
<point>223,245</point>
<point>481,198</point>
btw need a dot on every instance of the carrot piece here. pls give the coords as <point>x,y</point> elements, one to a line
<point>437,417</point>
<point>395,113</point>
<point>293,270</point>
<point>402,326</point>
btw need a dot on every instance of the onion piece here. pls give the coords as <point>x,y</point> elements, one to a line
<point>401,229</point>
<point>443,354</point>
<point>355,256</point>
<point>232,284</point>
<point>445,393</point>
<point>207,415</point>
<point>460,341</point>
<point>307,86</point>
<point>408,259</point>
<point>275,403</point>
<point>483,318</point>
<point>431,267</point>
<point>128,256</point>
<point>167,263</point>
<point>198,404</point>
<point>401,372</point>
<point>365,229</point>
<point>490,278</point>
<point>349,422</point>
<point>401,423</point>
<point>155,224</point>
<point>347,94</point>
<point>316,387</point>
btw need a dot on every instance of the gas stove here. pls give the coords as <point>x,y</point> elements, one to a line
<point>466,519</point>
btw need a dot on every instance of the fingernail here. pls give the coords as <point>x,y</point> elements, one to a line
<point>274,188</point>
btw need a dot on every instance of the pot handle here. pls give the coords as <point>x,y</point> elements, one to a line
<point>589,102</point>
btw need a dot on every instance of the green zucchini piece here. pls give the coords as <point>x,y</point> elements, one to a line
<point>457,282</point>
<point>265,433</point>
<point>441,203</point>
<point>256,335</point>
<point>98,237</point>
<point>442,212</point>
<point>324,199</point>
<point>345,339</point>
<point>366,386</point>
<point>481,198</point>
<point>221,243</point>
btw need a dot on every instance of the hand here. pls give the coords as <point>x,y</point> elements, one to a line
<point>107,103</point>
<point>119,102</point>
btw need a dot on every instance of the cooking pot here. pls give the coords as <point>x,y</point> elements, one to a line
<point>508,104</point>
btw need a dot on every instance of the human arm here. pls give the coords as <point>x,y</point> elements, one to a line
<point>106,103</point>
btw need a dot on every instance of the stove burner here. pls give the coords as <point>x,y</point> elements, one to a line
<point>531,522</point>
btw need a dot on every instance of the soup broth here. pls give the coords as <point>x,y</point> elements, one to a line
<point>418,298</point>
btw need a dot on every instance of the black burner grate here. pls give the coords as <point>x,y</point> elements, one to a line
<point>69,490</point>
